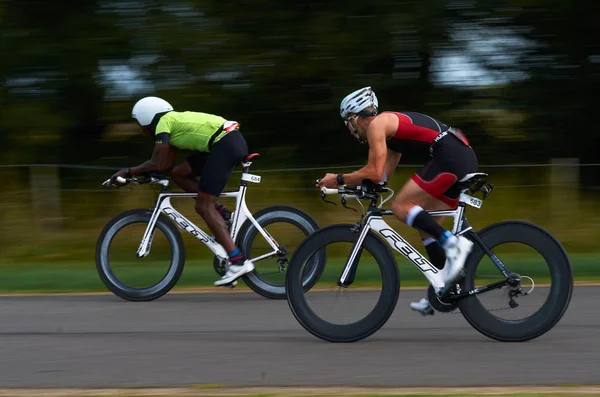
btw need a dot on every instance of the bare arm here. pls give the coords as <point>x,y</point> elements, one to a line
<point>160,162</point>
<point>391,162</point>
<point>376,135</point>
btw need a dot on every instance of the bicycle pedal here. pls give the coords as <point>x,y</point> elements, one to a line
<point>427,312</point>
<point>232,284</point>
<point>443,292</point>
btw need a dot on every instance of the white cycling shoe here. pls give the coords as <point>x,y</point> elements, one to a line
<point>456,255</point>
<point>422,307</point>
<point>234,272</point>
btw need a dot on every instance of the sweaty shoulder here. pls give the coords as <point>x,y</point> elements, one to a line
<point>387,122</point>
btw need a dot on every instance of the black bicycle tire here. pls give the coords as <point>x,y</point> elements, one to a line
<point>383,308</point>
<point>560,291</point>
<point>174,238</point>
<point>266,216</point>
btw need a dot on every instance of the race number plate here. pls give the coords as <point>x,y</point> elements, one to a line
<point>251,178</point>
<point>472,201</point>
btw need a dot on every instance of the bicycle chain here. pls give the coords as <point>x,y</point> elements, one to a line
<point>489,310</point>
<point>458,311</point>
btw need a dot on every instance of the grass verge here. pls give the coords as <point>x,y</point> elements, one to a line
<point>77,277</point>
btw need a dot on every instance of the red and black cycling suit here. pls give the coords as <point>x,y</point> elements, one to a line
<point>448,156</point>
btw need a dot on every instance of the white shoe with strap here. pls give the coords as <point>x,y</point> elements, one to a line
<point>456,255</point>
<point>422,307</point>
<point>234,272</point>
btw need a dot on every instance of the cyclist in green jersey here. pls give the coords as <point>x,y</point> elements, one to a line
<point>217,147</point>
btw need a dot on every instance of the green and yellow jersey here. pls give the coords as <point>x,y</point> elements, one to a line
<point>192,130</point>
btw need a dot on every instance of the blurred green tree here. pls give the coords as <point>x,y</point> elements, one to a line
<point>51,94</point>
<point>70,70</point>
<point>552,50</point>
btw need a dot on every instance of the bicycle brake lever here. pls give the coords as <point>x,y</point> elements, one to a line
<point>323,195</point>
<point>344,202</point>
<point>327,201</point>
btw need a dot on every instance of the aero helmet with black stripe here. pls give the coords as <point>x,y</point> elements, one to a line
<point>146,108</point>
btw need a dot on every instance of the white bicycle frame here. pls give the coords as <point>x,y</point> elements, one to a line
<point>377,224</point>
<point>239,216</point>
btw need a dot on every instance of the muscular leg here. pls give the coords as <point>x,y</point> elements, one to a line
<point>408,207</point>
<point>432,186</point>
<point>217,168</point>
<point>435,252</point>
<point>206,208</point>
<point>183,176</point>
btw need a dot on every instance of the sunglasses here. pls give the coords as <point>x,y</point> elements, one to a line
<point>348,121</point>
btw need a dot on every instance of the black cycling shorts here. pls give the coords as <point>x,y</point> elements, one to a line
<point>216,166</point>
<point>451,161</point>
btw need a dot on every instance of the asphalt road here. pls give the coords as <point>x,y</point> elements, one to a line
<point>239,339</point>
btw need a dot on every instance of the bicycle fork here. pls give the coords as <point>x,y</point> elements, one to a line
<point>347,277</point>
<point>144,248</point>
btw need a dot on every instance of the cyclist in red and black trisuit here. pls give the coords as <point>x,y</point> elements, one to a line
<point>447,157</point>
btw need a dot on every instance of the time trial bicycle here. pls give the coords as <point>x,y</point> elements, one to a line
<point>374,236</point>
<point>244,229</point>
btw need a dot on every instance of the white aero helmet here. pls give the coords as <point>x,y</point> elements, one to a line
<point>357,101</point>
<point>146,108</point>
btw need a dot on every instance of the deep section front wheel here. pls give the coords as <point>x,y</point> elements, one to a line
<point>133,278</point>
<point>523,235</point>
<point>376,269</point>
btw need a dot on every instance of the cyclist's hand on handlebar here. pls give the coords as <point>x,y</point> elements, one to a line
<point>329,181</point>
<point>122,174</point>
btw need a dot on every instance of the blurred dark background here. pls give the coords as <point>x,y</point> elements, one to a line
<point>519,77</point>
